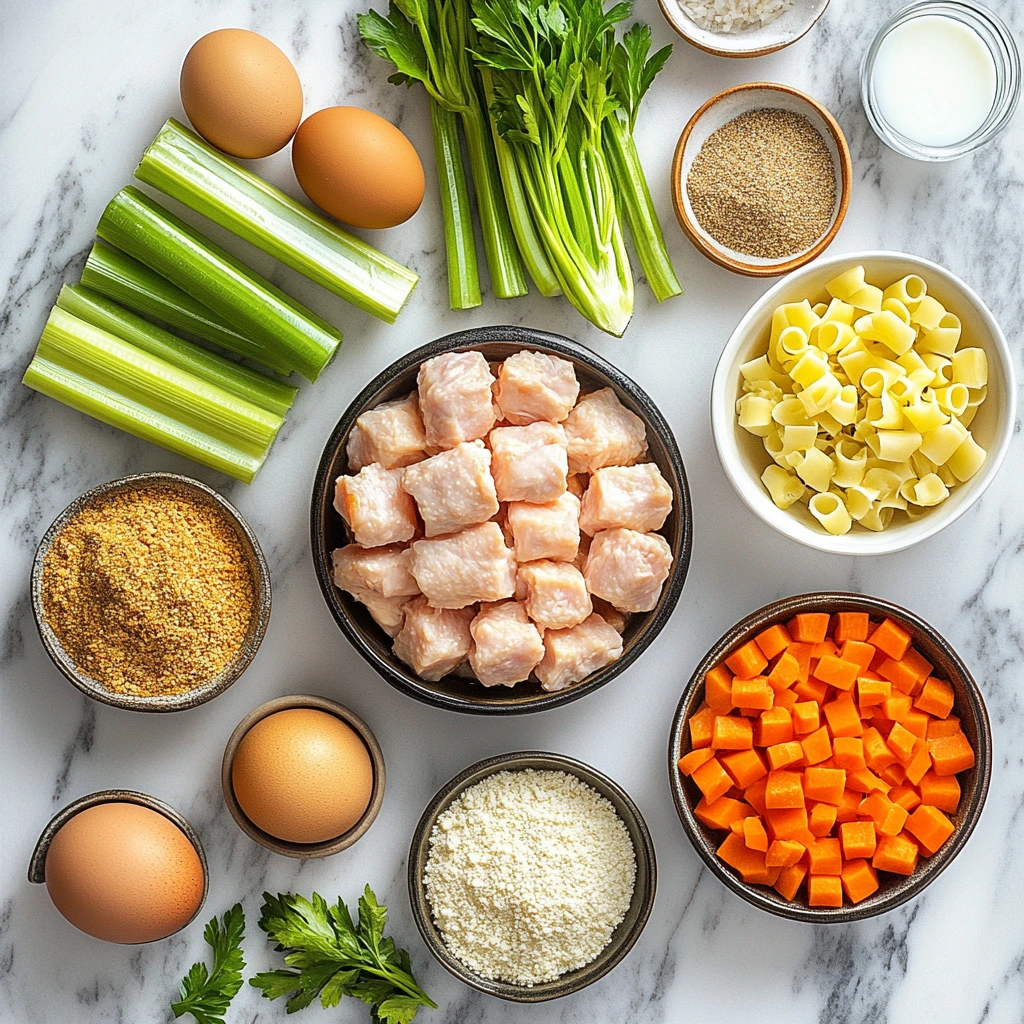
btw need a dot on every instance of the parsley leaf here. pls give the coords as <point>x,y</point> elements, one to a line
<point>206,994</point>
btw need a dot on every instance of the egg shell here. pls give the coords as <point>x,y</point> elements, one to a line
<point>124,873</point>
<point>302,775</point>
<point>358,167</point>
<point>241,93</point>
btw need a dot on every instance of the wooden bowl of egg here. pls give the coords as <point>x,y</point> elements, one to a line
<point>501,522</point>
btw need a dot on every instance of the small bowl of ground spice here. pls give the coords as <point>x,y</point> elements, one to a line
<point>151,593</point>
<point>761,179</point>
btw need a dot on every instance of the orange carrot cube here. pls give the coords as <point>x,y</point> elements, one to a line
<point>747,661</point>
<point>825,857</point>
<point>821,820</point>
<point>816,746</point>
<point>783,853</point>
<point>859,880</point>
<point>788,823</point>
<point>754,834</point>
<point>876,751</point>
<point>848,752</point>
<point>836,672</point>
<point>848,808</point>
<point>930,827</point>
<point>897,708</point>
<point>790,879</point>
<point>919,765</point>
<point>825,784</point>
<point>752,693</point>
<point>784,789</point>
<point>860,654</point>
<point>917,723</point>
<point>905,796</point>
<point>744,767</point>
<point>940,791</point>
<point>802,654</point>
<point>951,754</point>
<point>782,755</point>
<point>773,641</point>
<point>904,674</point>
<point>694,759</point>
<point>730,732</point>
<point>774,726</point>
<point>718,689</point>
<point>943,727</point>
<point>901,742</point>
<point>897,854</point>
<point>894,774</point>
<point>712,780</point>
<point>735,852</point>
<point>891,638</point>
<point>754,794</point>
<point>858,839</point>
<point>872,691</point>
<point>700,723</point>
<point>722,812</point>
<point>866,781</point>
<point>842,716</point>
<point>889,818</point>
<point>785,672</point>
<point>936,698</point>
<point>806,717</point>
<point>809,627</point>
<point>785,699</point>
<point>824,891</point>
<point>811,689</point>
<point>850,626</point>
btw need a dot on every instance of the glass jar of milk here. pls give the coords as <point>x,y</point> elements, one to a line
<point>941,78</point>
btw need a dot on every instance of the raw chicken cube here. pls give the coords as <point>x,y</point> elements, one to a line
<point>628,569</point>
<point>529,463</point>
<point>506,645</point>
<point>556,593</point>
<point>602,432</point>
<point>636,497</point>
<point>387,612</point>
<point>573,654</point>
<point>464,568</point>
<point>453,489</point>
<point>535,386</point>
<point>551,530</point>
<point>391,434</point>
<point>433,641</point>
<point>455,398</point>
<point>375,507</point>
<point>382,571</point>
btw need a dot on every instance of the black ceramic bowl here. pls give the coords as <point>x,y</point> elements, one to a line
<point>968,705</point>
<point>624,936</point>
<point>454,692</point>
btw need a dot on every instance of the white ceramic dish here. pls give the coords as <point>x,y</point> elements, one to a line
<point>742,454</point>
<point>787,28</point>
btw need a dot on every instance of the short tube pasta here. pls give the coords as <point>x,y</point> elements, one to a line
<point>831,512</point>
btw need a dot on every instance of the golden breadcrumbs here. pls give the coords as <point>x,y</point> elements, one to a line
<point>148,591</point>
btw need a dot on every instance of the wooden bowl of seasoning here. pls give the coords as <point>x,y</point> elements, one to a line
<point>761,179</point>
<point>151,593</point>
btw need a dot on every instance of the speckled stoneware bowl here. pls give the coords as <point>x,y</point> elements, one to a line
<point>37,865</point>
<point>304,851</point>
<point>623,938</point>
<point>454,692</point>
<point>968,704</point>
<point>257,568</point>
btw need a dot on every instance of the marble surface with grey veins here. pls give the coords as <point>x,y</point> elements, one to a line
<point>84,86</point>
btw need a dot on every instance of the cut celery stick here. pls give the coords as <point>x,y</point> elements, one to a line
<point>254,387</point>
<point>183,166</point>
<point>142,228</point>
<point>132,284</point>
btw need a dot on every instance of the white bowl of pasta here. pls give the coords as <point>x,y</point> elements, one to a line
<point>864,402</point>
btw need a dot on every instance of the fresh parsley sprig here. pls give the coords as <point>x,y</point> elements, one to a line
<point>206,994</point>
<point>331,957</point>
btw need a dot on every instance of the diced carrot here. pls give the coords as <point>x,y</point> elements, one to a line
<point>762,875</point>
<point>785,699</point>
<point>903,674</point>
<point>894,774</point>
<point>859,880</point>
<point>744,766</point>
<point>842,716</point>
<point>877,660</point>
<point>897,854</point>
<point>754,794</point>
<point>848,752</point>
<point>825,784</point>
<point>752,693</point>
<point>729,732</point>
<point>860,654</point>
<point>712,780</point>
<point>876,751</point>
<point>951,754</point>
<point>850,626</point>
<point>821,820</point>
<point>905,796</point>
<point>785,672</point>
<point>866,781</point>
<point>816,746</point>
<point>826,647</point>
<point>858,839</point>
<point>782,755</point>
<point>806,717</point>
<point>825,857</point>
<point>920,764</point>
<point>872,691</point>
<point>921,667</point>
<point>917,723</point>
<point>836,672</point>
<point>723,812</point>
<point>694,759</point>
<point>773,641</point>
<point>787,823</point>
<point>848,808</point>
<point>824,891</point>
<point>700,723</point>
<point>811,689</point>
<point>790,879</point>
<point>891,638</point>
<point>901,743</point>
<point>809,627</point>
<point>943,727</point>
<point>774,726</point>
<point>930,827</point>
<point>942,791</point>
<point>747,661</point>
<point>718,689</point>
<point>736,827</point>
<point>936,698</point>
<point>802,654</point>
<point>783,853</point>
<point>735,852</point>
<point>754,834</point>
<point>784,790</point>
<point>889,818</point>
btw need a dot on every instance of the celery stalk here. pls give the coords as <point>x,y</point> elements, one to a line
<point>141,227</point>
<point>183,166</point>
<point>241,381</point>
<point>132,284</point>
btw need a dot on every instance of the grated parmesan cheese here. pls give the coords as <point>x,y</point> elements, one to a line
<point>528,875</point>
<point>733,15</point>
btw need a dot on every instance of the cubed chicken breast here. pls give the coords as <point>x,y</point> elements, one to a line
<point>506,645</point>
<point>601,431</point>
<point>387,612</point>
<point>628,569</point>
<point>529,463</point>
<point>375,507</point>
<point>383,571</point>
<point>551,530</point>
<point>570,655</point>
<point>433,641</point>
<point>536,386</point>
<point>391,434</point>
<point>466,567</point>
<point>456,402</point>
<point>453,489</point>
<point>635,497</point>
<point>556,593</point>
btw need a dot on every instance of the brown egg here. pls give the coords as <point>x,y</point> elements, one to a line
<point>124,873</point>
<point>302,775</point>
<point>358,167</point>
<point>241,93</point>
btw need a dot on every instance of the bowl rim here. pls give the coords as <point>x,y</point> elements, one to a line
<point>328,847</point>
<point>168,702</point>
<point>887,542</point>
<point>518,761</point>
<point>680,29</point>
<point>774,611</point>
<point>524,337</point>
<point>718,255</point>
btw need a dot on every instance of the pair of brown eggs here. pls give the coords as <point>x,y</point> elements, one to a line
<point>243,95</point>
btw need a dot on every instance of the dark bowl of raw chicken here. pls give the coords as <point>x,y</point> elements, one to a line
<point>458,690</point>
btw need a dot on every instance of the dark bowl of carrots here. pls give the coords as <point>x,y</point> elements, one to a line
<point>830,756</point>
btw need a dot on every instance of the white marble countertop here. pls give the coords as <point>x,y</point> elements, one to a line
<point>85,86</point>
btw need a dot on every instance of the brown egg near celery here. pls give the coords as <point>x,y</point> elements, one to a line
<point>358,167</point>
<point>241,93</point>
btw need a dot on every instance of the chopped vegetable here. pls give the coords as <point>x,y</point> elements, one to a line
<point>207,993</point>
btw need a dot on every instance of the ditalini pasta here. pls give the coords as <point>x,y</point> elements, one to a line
<point>864,403</point>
